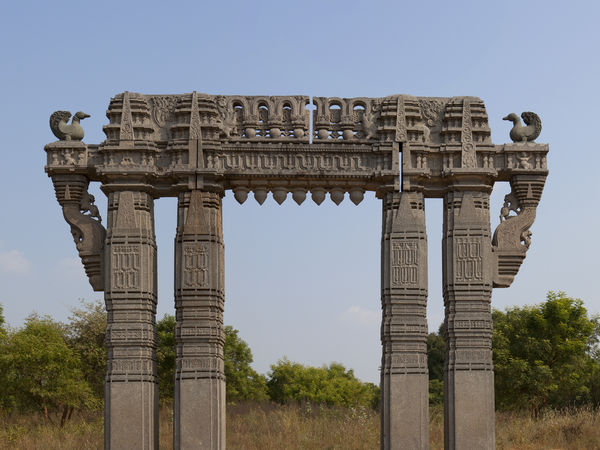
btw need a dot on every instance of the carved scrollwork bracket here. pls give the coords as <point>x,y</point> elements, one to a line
<point>84,218</point>
<point>512,237</point>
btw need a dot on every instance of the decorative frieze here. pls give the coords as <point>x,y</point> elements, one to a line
<point>416,121</point>
<point>468,264</point>
<point>405,263</point>
<point>195,265</point>
<point>279,118</point>
<point>125,267</point>
<point>313,160</point>
<point>176,137</point>
<point>469,159</point>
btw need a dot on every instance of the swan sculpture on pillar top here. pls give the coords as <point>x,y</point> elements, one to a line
<point>65,131</point>
<point>527,133</point>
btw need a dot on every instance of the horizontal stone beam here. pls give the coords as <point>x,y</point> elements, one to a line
<point>434,170</point>
<point>296,166</point>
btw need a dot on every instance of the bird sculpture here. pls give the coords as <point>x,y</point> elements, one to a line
<point>527,133</point>
<point>65,131</point>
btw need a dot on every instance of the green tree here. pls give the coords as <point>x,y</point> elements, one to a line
<point>165,356</point>
<point>44,373</point>
<point>436,391</point>
<point>543,354</point>
<point>243,382</point>
<point>2,323</point>
<point>6,397</point>
<point>331,385</point>
<point>436,357</point>
<point>86,332</point>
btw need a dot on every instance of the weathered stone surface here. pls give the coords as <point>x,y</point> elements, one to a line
<point>131,394</point>
<point>467,267</point>
<point>196,146</point>
<point>199,410</point>
<point>404,375</point>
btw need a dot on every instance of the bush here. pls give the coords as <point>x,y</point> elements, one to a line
<point>436,392</point>
<point>165,356</point>
<point>243,382</point>
<point>330,385</point>
<point>41,371</point>
<point>86,332</point>
<point>544,355</point>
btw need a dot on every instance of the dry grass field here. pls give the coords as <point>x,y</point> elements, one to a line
<point>270,426</point>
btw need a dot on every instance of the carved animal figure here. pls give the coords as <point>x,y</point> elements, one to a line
<point>369,123</point>
<point>87,205</point>
<point>65,131</point>
<point>425,130</point>
<point>524,160</point>
<point>526,238</point>
<point>227,118</point>
<point>527,133</point>
<point>69,158</point>
<point>511,203</point>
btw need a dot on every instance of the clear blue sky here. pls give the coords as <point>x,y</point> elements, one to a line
<point>302,281</point>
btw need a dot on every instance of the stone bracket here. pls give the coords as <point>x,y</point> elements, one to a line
<point>84,219</point>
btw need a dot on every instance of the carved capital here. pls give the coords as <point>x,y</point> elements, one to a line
<point>66,157</point>
<point>512,237</point>
<point>84,219</point>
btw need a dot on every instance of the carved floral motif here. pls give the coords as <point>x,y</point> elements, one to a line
<point>126,120</point>
<point>163,107</point>
<point>401,121</point>
<point>468,149</point>
<point>430,110</point>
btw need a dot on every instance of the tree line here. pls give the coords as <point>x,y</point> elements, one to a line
<point>545,356</point>
<point>55,368</point>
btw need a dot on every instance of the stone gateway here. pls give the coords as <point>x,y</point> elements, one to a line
<point>195,147</point>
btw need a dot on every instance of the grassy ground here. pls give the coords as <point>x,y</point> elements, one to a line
<point>270,426</point>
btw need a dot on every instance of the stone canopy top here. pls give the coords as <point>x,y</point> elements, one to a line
<point>172,143</point>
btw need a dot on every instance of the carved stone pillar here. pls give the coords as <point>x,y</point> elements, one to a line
<point>131,390</point>
<point>404,374</point>
<point>199,416</point>
<point>468,267</point>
